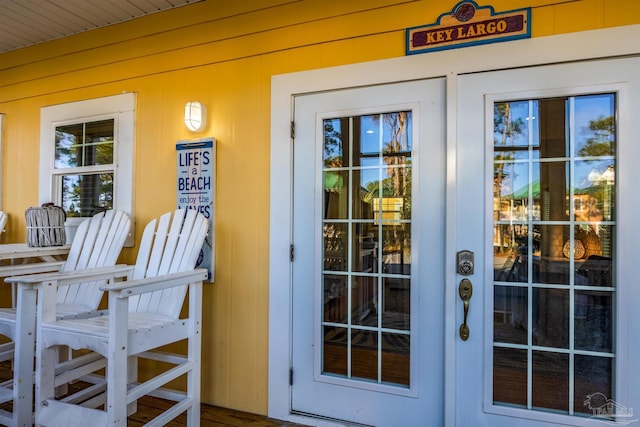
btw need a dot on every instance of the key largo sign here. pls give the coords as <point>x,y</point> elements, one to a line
<point>468,24</point>
<point>196,164</point>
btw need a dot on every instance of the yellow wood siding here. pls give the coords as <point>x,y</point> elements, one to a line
<point>223,54</point>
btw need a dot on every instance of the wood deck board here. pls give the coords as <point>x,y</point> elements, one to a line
<point>211,416</point>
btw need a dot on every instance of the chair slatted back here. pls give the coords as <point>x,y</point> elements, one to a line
<point>3,220</point>
<point>168,245</point>
<point>97,243</point>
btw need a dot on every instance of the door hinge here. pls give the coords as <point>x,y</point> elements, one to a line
<point>293,129</point>
<point>290,376</point>
<point>291,253</point>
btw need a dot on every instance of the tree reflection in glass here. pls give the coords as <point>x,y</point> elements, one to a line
<point>367,177</point>
<point>554,234</point>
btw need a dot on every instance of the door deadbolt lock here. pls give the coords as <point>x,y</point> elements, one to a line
<point>465,263</point>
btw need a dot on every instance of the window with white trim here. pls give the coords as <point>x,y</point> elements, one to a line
<point>86,156</point>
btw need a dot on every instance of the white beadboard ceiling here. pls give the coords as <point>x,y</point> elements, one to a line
<point>28,22</point>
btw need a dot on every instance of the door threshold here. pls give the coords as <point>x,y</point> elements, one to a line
<point>330,419</point>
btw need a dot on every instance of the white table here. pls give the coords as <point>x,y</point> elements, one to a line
<point>19,258</point>
<point>23,252</point>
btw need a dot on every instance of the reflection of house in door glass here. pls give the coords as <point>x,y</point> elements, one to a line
<point>554,234</point>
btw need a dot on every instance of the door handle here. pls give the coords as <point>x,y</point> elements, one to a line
<point>465,290</point>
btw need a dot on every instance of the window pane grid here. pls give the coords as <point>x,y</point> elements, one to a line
<point>556,249</point>
<point>84,166</point>
<point>84,144</point>
<point>367,198</point>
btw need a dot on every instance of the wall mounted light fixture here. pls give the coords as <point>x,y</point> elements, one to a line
<point>195,116</point>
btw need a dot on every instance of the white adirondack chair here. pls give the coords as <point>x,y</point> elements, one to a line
<point>143,315</point>
<point>3,220</point>
<point>98,242</point>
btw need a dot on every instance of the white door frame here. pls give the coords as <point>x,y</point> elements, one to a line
<point>571,47</point>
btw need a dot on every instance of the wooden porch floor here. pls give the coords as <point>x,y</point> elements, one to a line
<point>211,416</point>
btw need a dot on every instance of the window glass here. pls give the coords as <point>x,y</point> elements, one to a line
<point>84,144</point>
<point>367,170</point>
<point>87,145</point>
<point>86,195</point>
<point>554,222</point>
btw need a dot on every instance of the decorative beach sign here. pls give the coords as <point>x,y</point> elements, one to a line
<point>196,189</point>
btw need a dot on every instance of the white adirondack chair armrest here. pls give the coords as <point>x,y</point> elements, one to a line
<point>33,268</point>
<point>157,283</point>
<point>72,277</point>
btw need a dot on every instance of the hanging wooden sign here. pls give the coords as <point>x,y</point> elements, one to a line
<point>196,164</point>
<point>468,24</point>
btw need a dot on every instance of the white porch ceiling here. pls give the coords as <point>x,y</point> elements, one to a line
<point>28,22</point>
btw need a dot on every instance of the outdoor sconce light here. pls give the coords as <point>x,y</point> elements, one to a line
<point>195,116</point>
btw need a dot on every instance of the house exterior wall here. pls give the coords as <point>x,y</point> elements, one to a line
<point>222,54</point>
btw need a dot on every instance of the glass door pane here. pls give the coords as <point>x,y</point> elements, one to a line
<point>367,248</point>
<point>554,223</point>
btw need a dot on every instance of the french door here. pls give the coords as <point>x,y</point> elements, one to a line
<point>368,280</point>
<point>540,216</point>
<point>547,204</point>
